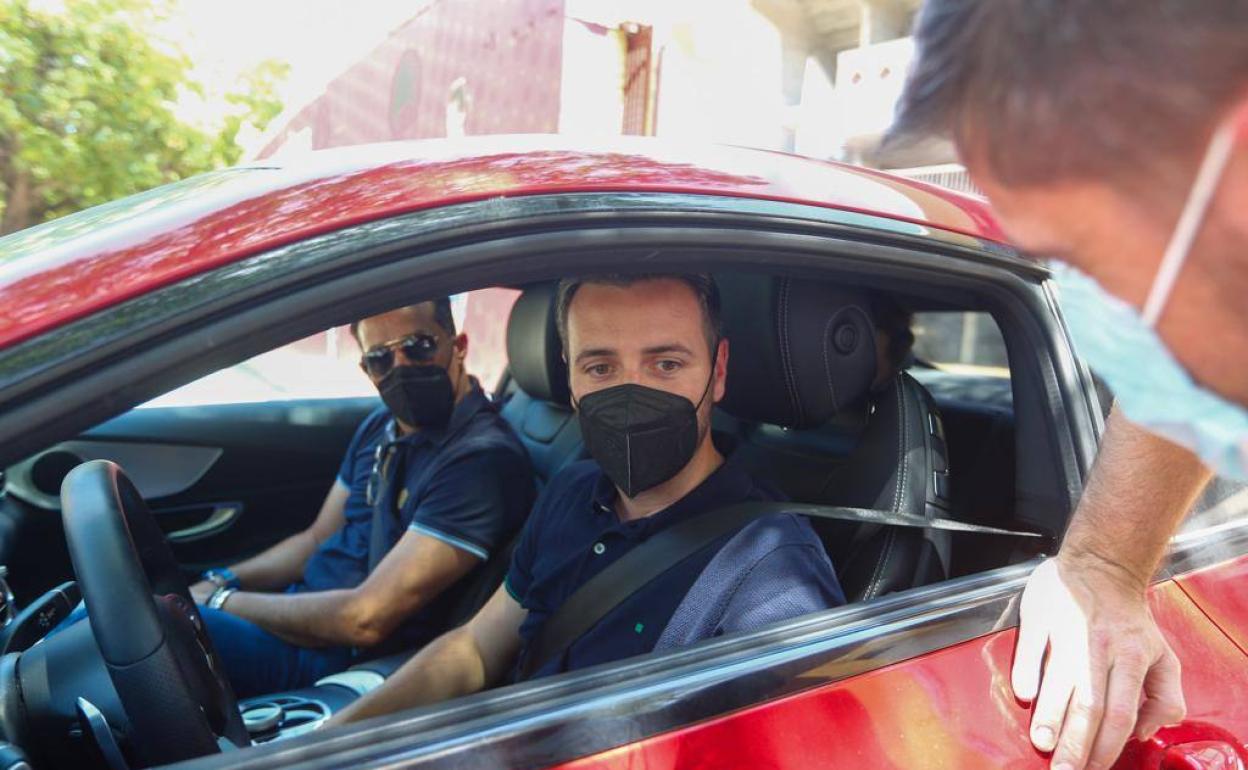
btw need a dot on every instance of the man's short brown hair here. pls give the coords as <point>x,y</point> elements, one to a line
<point>1042,90</point>
<point>703,287</point>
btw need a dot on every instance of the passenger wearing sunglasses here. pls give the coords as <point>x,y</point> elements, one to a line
<point>432,485</point>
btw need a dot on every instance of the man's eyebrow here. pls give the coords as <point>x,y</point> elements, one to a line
<point>671,347</point>
<point>594,353</point>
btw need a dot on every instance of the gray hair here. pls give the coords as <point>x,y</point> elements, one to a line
<point>1045,90</point>
<point>702,284</point>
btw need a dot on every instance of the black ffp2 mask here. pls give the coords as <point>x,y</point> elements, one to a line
<point>640,436</point>
<point>418,396</point>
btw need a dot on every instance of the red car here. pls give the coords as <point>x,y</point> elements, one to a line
<point>986,434</point>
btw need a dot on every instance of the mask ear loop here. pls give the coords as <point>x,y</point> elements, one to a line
<point>1214,164</point>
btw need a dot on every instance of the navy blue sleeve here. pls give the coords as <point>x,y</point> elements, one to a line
<point>466,504</point>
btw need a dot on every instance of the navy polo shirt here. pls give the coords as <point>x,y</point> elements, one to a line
<point>469,485</point>
<point>574,533</point>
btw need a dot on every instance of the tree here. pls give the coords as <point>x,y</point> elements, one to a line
<point>88,99</point>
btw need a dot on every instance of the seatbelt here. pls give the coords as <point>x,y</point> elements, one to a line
<point>385,503</point>
<point>649,560</point>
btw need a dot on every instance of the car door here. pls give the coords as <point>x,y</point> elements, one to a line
<point>954,708</point>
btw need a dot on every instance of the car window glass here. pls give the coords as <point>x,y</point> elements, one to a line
<point>326,365</point>
<point>962,343</point>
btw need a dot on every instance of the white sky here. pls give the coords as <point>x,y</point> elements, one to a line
<point>318,38</point>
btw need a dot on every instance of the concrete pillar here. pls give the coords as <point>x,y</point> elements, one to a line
<point>883,20</point>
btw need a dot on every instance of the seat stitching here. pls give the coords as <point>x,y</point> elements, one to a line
<point>827,365</point>
<point>901,443</point>
<point>877,575</point>
<point>786,357</point>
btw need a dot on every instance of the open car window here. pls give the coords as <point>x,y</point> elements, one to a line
<point>960,342</point>
<point>324,365</point>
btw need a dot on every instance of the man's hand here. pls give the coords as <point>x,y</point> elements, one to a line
<point>1103,648</point>
<point>201,591</point>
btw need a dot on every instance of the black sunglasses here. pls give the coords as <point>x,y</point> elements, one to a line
<point>417,348</point>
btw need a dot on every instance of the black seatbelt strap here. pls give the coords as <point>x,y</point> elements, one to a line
<point>386,482</point>
<point>647,561</point>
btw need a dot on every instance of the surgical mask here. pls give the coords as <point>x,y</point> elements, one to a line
<point>419,395</point>
<point>1150,387</point>
<point>640,436</point>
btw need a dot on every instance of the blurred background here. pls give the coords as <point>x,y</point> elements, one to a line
<point>100,99</point>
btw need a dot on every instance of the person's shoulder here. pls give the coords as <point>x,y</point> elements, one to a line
<point>773,531</point>
<point>374,424</point>
<point>576,475</point>
<point>488,431</point>
<point>565,495</point>
<point>574,483</point>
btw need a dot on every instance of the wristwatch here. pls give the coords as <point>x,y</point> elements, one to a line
<point>222,577</point>
<point>219,596</point>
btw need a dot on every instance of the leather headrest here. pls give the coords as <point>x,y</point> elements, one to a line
<point>800,351</point>
<point>534,352</point>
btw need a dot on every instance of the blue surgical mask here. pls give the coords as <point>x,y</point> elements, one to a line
<point>1151,388</point>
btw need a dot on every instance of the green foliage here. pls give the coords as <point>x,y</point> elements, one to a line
<point>88,99</point>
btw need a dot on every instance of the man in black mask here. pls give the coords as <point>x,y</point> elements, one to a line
<point>646,364</point>
<point>432,484</point>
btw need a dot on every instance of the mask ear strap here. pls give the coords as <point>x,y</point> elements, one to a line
<point>1216,159</point>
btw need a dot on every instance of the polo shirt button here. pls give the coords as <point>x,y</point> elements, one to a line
<point>599,549</point>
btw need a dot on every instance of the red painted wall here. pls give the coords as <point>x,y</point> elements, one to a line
<point>508,54</point>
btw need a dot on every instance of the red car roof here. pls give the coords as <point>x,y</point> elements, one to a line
<point>68,268</point>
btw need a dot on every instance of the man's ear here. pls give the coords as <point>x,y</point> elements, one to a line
<point>460,345</point>
<point>721,371</point>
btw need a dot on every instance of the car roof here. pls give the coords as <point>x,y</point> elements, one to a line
<point>62,270</point>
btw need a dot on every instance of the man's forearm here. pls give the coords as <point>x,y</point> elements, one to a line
<point>278,566</point>
<point>446,668</point>
<point>1141,488</point>
<point>320,619</point>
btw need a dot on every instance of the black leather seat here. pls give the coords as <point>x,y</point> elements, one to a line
<point>801,366</point>
<point>536,398</point>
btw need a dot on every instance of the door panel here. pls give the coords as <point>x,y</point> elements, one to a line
<point>1222,592</point>
<point>224,481</point>
<point>948,709</point>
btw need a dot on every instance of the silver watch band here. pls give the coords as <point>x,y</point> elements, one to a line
<point>219,597</point>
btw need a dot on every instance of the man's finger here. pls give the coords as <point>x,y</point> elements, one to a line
<point>1033,638</point>
<point>1051,703</point>
<point>1083,721</point>
<point>1163,696</point>
<point>1122,700</point>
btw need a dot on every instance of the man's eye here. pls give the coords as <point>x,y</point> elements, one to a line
<point>598,370</point>
<point>669,365</point>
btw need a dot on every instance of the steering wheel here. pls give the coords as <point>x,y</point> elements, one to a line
<point>150,634</point>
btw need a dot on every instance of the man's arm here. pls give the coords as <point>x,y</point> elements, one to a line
<point>415,571</point>
<point>283,563</point>
<point>1087,605</point>
<point>463,661</point>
